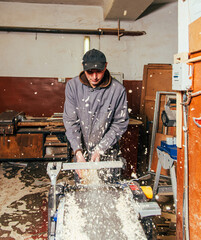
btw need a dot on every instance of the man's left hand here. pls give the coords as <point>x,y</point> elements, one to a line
<point>95,156</point>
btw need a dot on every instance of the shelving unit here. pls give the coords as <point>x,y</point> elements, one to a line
<point>36,139</point>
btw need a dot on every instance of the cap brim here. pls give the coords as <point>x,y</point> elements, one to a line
<point>90,66</point>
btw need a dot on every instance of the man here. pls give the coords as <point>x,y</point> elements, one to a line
<point>95,111</point>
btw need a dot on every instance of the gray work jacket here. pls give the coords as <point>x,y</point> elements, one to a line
<point>96,116</point>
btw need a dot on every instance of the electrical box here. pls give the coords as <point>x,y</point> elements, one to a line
<point>181,77</point>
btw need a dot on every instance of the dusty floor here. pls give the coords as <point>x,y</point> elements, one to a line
<point>24,191</point>
<point>23,201</point>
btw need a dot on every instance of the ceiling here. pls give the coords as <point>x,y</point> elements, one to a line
<point>113,9</point>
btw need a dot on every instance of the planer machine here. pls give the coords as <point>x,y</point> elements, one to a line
<point>98,210</point>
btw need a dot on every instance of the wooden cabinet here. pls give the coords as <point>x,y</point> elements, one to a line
<point>156,77</point>
<point>21,146</point>
<point>39,140</point>
<point>129,147</point>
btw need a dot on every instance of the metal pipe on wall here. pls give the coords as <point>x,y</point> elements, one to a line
<point>186,172</point>
<point>100,31</point>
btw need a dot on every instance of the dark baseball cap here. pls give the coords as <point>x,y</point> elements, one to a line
<point>94,59</point>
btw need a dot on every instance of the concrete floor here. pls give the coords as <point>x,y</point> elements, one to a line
<point>23,201</point>
<point>24,191</point>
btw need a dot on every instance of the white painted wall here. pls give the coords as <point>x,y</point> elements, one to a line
<point>183,21</point>
<point>57,55</point>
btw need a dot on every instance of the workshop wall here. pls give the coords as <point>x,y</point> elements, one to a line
<point>59,55</point>
<point>26,94</point>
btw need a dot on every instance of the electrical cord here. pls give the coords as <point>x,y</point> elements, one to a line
<point>186,172</point>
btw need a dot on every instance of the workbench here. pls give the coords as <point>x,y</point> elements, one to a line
<point>43,138</point>
<point>35,139</point>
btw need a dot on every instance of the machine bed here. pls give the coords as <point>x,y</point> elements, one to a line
<point>101,212</point>
<point>96,211</point>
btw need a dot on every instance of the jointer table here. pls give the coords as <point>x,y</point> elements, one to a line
<point>96,210</point>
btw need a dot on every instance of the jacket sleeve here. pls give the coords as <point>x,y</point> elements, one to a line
<point>118,126</point>
<point>70,119</point>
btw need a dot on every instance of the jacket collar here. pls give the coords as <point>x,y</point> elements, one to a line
<point>103,84</point>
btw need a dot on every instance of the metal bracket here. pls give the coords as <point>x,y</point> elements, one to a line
<point>53,169</point>
<point>148,209</point>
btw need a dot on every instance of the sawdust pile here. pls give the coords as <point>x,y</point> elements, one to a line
<point>90,177</point>
<point>98,213</point>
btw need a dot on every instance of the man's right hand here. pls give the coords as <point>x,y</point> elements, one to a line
<point>80,158</point>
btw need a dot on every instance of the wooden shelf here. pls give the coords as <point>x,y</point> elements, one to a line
<point>55,156</point>
<point>55,144</point>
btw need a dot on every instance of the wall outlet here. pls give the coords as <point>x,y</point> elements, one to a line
<point>61,79</point>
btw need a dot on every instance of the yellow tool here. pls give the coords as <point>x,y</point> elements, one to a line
<point>147,191</point>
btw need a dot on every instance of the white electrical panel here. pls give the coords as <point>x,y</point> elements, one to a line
<point>181,77</point>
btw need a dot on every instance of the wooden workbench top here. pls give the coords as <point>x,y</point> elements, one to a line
<point>43,122</point>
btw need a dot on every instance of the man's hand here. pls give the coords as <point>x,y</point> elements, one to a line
<point>95,156</point>
<point>80,158</point>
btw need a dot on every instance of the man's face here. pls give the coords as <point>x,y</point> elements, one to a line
<point>95,76</point>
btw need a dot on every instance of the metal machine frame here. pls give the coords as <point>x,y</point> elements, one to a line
<point>146,209</point>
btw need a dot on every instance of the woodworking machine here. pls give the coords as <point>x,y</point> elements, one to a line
<point>9,120</point>
<point>109,211</point>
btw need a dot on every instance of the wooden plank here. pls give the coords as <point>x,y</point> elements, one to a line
<point>171,216</point>
<point>40,123</point>
<point>133,121</point>
<point>195,36</point>
<point>64,156</point>
<point>151,98</point>
<point>173,237</point>
<point>159,80</point>
<point>194,163</point>
<point>49,124</point>
<point>55,144</point>
<point>156,77</point>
